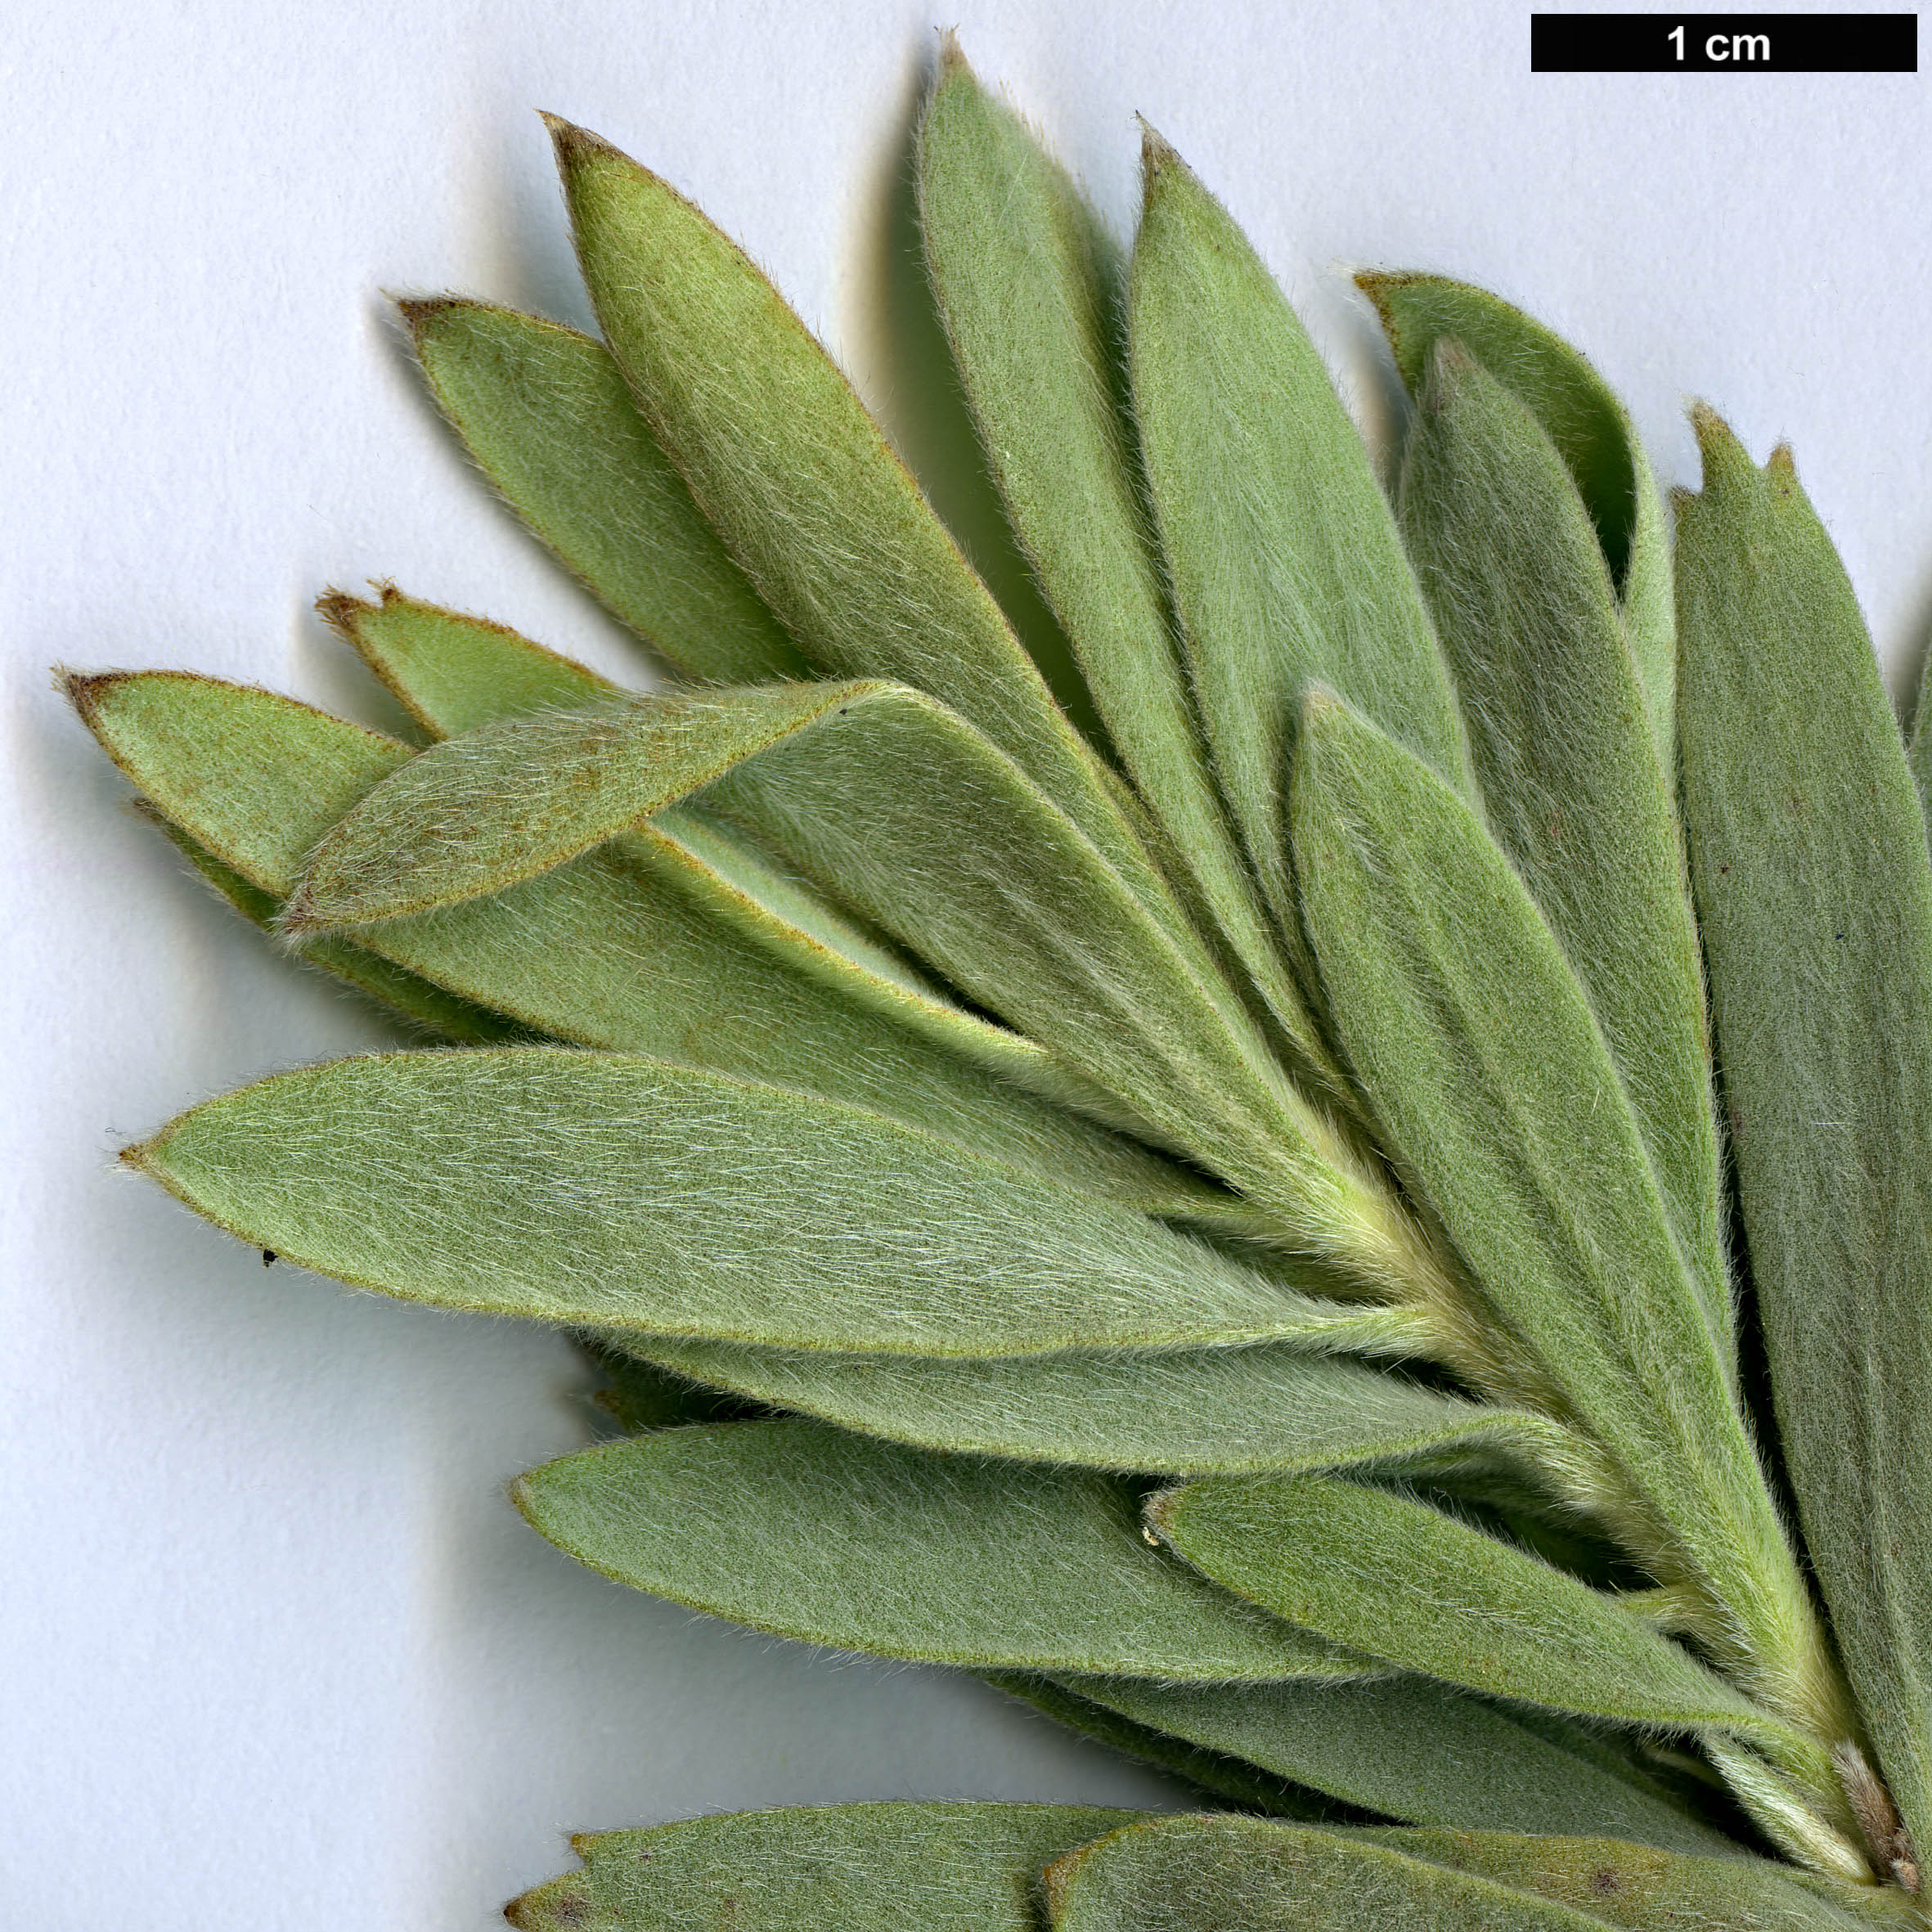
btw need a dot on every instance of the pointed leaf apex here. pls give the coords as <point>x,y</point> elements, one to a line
<point>339,610</point>
<point>1717,444</point>
<point>421,313</point>
<point>952,57</point>
<point>575,145</point>
<point>83,690</point>
<point>1158,156</point>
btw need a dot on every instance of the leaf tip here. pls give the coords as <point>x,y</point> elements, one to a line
<point>952,56</point>
<point>565,1904</point>
<point>576,146</point>
<point>84,690</point>
<point>340,611</point>
<point>1717,444</point>
<point>421,313</point>
<point>1158,158</point>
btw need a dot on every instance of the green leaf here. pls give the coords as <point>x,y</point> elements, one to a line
<point>1010,902</point>
<point>1028,285</point>
<point>508,802</point>
<point>1569,772</point>
<point>256,780</point>
<point>1178,1412</point>
<point>455,673</point>
<point>1414,1748</point>
<point>1283,553</point>
<point>796,477</point>
<point>1592,433</point>
<point>1391,1576</point>
<point>545,412</point>
<point>403,993</point>
<point>451,672</point>
<point>623,1192</point>
<point>947,1867</point>
<point>1651,1890</point>
<point>1225,1778</point>
<point>808,1532</point>
<point>1480,1055</point>
<point>1212,1874</point>
<point>1812,883</point>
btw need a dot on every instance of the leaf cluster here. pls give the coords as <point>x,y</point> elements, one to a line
<point>1254,1227</point>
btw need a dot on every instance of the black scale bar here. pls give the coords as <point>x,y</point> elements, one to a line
<point>1724,43</point>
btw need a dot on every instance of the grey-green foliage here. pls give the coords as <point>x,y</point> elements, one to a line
<point>1212,1874</point>
<point>1591,430</point>
<point>1648,1889</point>
<point>545,412</point>
<point>810,1532</point>
<point>1479,1052</point>
<point>615,1190</point>
<point>1012,904</point>
<point>786,464</point>
<point>1571,782</point>
<point>1028,286</point>
<point>622,949</point>
<point>1414,1748</point>
<point>1391,1575</point>
<point>1032,1129</point>
<point>1176,1411</point>
<point>455,673</point>
<point>1816,898</point>
<point>1285,560</point>
<point>1212,1771</point>
<point>838,1868</point>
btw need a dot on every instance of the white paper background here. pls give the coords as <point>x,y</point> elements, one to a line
<point>277,1652</point>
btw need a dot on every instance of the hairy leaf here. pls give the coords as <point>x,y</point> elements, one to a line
<point>1649,1889</point>
<point>1027,283</point>
<point>796,479</point>
<point>1813,882</point>
<point>505,803</point>
<point>451,672</point>
<point>1592,433</point>
<point>1414,1748</point>
<point>1180,1410</point>
<point>455,673</point>
<point>1283,555</point>
<point>808,1532</point>
<point>1213,1771</point>
<point>1011,903</point>
<point>1480,1053</point>
<point>1392,1575</point>
<point>946,1867</point>
<point>546,413</point>
<point>623,1193</point>
<point>626,951</point>
<point>1211,1874</point>
<point>1569,771</point>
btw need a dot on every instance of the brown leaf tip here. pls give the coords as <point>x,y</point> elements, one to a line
<point>1158,155</point>
<point>84,689</point>
<point>421,313</point>
<point>574,144</point>
<point>339,610</point>
<point>952,56</point>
